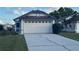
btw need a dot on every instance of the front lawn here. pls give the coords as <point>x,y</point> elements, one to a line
<point>12,43</point>
<point>74,36</point>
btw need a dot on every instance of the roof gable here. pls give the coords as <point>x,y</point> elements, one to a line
<point>26,16</point>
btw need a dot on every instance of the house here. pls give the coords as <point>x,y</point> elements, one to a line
<point>35,21</point>
<point>5,26</point>
<point>8,26</point>
<point>71,24</point>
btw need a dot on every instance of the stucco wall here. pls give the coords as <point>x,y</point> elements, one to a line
<point>77,28</point>
<point>22,27</point>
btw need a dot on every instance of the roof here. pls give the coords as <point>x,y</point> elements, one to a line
<point>74,18</point>
<point>37,12</point>
<point>42,18</point>
<point>35,18</point>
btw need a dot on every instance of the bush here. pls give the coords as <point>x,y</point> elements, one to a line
<point>1,28</point>
<point>57,28</point>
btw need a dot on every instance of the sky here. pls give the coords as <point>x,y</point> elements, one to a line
<point>7,14</point>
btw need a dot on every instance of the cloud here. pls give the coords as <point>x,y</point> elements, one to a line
<point>19,11</point>
<point>16,12</point>
<point>2,21</point>
<point>51,9</point>
<point>47,9</point>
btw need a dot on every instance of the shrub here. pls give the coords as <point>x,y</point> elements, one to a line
<point>1,28</point>
<point>57,28</point>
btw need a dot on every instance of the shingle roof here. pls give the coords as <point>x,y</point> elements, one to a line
<point>36,18</point>
<point>37,12</point>
<point>42,18</point>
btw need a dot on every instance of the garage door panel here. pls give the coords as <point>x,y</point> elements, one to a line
<point>37,28</point>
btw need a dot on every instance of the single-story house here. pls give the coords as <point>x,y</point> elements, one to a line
<point>35,21</point>
<point>71,23</point>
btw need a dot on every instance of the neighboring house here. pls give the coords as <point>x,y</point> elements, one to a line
<point>8,27</point>
<point>71,24</point>
<point>35,21</point>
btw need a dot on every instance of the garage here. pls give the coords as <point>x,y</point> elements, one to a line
<point>37,28</point>
<point>35,21</point>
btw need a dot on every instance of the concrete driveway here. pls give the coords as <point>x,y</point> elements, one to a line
<point>50,42</point>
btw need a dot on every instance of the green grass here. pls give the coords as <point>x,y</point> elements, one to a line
<point>12,43</point>
<point>74,36</point>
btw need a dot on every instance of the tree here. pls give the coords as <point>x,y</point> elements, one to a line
<point>69,11</point>
<point>62,13</point>
<point>55,14</point>
<point>1,28</point>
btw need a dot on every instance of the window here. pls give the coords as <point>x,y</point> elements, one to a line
<point>33,22</point>
<point>36,21</point>
<point>28,21</point>
<point>39,21</point>
<point>36,14</point>
<point>17,24</point>
<point>42,21</point>
<point>46,21</point>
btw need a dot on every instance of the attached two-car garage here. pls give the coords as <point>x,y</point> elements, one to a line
<point>37,28</point>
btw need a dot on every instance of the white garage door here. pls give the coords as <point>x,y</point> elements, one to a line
<point>37,28</point>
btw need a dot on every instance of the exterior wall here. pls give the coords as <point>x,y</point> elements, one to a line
<point>15,27</point>
<point>77,28</point>
<point>22,27</point>
<point>70,27</point>
<point>36,27</point>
